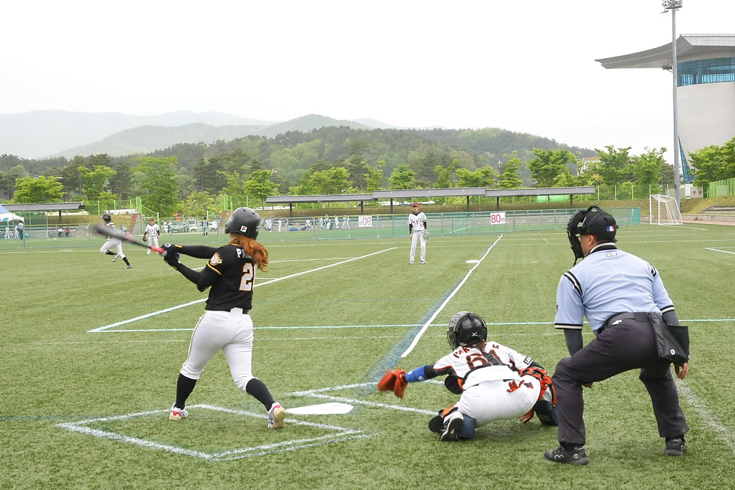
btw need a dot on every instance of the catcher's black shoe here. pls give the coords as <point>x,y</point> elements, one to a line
<point>453,424</point>
<point>675,446</point>
<point>561,455</point>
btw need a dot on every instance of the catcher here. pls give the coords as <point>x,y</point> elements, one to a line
<point>495,381</point>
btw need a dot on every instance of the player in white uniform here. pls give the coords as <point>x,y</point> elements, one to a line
<point>113,242</point>
<point>495,381</point>
<point>151,233</point>
<point>417,230</point>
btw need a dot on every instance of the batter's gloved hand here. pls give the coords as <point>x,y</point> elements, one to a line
<point>171,258</point>
<point>169,249</point>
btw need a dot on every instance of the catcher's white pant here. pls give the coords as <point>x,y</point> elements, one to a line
<point>492,400</point>
<point>415,237</point>
<point>153,242</point>
<point>231,331</point>
<point>113,242</point>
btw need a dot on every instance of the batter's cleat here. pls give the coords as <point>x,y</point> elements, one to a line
<point>675,446</point>
<point>115,258</point>
<point>177,413</point>
<point>561,455</point>
<point>453,424</point>
<point>276,416</point>
<point>128,266</point>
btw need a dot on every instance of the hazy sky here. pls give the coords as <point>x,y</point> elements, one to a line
<point>524,66</point>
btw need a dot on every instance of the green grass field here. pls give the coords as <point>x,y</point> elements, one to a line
<point>91,353</point>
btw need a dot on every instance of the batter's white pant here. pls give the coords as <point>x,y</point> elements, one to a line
<point>491,400</point>
<point>153,242</point>
<point>113,243</point>
<point>415,237</point>
<point>231,331</point>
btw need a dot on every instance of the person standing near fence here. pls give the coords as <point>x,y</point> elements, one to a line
<point>113,242</point>
<point>417,229</point>
<point>152,231</point>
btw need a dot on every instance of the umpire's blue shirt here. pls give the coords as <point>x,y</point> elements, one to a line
<point>606,282</point>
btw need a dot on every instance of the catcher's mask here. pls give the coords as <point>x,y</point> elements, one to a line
<point>466,329</point>
<point>593,221</point>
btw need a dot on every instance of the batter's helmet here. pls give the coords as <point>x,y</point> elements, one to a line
<point>107,217</point>
<point>244,221</point>
<point>466,329</point>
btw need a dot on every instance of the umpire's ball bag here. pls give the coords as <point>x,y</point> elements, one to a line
<point>672,341</point>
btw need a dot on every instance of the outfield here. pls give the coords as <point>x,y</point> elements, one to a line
<point>91,353</point>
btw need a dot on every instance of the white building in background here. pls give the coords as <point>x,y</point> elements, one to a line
<point>705,86</point>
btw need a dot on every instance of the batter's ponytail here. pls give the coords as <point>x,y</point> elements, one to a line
<point>255,249</point>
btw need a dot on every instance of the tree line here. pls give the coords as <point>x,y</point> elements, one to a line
<point>196,179</point>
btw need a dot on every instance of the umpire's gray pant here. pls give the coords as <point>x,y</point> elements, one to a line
<point>619,348</point>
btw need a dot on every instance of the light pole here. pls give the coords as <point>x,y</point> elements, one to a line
<point>673,6</point>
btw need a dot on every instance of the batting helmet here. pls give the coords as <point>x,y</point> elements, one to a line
<point>244,221</point>
<point>107,217</point>
<point>466,329</point>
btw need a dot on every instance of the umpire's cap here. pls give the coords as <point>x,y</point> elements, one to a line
<point>599,223</point>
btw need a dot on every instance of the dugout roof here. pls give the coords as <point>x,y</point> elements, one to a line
<point>43,208</point>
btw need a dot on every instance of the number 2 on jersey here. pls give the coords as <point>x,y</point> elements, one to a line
<point>248,277</point>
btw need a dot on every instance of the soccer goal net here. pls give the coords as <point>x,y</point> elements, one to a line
<point>662,210</point>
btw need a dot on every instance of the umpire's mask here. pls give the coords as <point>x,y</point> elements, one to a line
<point>593,221</point>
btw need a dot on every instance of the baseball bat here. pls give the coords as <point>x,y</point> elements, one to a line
<point>106,231</point>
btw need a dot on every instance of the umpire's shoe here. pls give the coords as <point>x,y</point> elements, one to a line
<point>561,455</point>
<point>675,446</point>
<point>453,424</point>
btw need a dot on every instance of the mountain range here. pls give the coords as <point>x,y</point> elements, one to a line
<point>53,133</point>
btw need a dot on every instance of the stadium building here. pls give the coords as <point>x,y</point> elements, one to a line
<point>705,86</point>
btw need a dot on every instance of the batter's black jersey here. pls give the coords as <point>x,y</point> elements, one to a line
<point>231,274</point>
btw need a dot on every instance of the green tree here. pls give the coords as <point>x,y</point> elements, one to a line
<point>331,181</point>
<point>199,204</point>
<point>121,182</point>
<point>713,163</point>
<point>38,190</point>
<point>646,168</point>
<point>402,177</point>
<point>509,178</point>
<point>71,178</point>
<point>260,185</point>
<point>550,165</point>
<point>159,184</point>
<point>374,176</point>
<point>95,180</point>
<point>445,174</point>
<point>614,165</point>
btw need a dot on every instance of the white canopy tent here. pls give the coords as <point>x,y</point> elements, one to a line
<point>6,216</point>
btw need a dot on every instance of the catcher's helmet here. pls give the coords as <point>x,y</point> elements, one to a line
<point>244,221</point>
<point>107,217</point>
<point>466,329</point>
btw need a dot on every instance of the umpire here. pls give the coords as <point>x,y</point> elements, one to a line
<point>619,294</point>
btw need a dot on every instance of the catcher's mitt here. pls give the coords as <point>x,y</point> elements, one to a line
<point>394,381</point>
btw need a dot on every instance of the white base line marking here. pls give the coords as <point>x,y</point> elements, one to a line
<point>341,435</point>
<point>142,317</point>
<point>720,429</point>
<point>723,251</point>
<point>318,394</point>
<point>446,301</point>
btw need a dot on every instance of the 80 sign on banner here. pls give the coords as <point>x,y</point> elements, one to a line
<point>497,218</point>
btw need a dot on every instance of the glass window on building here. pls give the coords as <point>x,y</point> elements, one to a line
<point>712,70</point>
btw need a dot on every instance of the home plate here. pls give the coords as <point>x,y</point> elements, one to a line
<point>321,409</point>
<point>472,262</point>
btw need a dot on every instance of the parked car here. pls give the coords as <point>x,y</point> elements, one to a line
<point>213,225</point>
<point>179,227</point>
<point>192,226</point>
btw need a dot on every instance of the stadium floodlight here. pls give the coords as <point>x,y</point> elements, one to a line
<point>673,6</point>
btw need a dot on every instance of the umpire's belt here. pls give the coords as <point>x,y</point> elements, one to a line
<point>240,310</point>
<point>619,317</point>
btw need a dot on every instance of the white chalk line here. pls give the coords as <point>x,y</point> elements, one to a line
<point>342,434</point>
<point>167,310</point>
<point>319,393</point>
<point>722,251</point>
<point>446,301</point>
<point>720,429</point>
